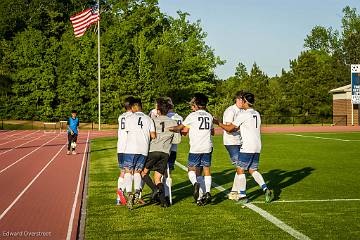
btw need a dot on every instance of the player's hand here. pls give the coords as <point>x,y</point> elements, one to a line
<point>72,132</point>
<point>216,120</point>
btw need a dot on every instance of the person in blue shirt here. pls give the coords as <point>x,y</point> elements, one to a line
<point>73,132</point>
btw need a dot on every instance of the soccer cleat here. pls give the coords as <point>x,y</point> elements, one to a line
<point>200,202</point>
<point>207,198</point>
<point>269,196</point>
<point>137,198</point>
<point>196,191</point>
<point>68,153</point>
<point>121,198</point>
<point>233,195</point>
<point>243,200</point>
<point>73,152</point>
<point>130,201</point>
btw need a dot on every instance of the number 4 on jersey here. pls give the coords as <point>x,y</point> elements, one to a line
<point>140,123</point>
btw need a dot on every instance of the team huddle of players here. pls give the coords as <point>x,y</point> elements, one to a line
<point>149,143</point>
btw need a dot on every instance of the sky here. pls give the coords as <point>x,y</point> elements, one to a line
<point>270,33</point>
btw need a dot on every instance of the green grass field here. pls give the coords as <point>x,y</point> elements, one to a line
<point>295,167</point>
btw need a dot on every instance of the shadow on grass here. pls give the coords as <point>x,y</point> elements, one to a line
<point>276,179</point>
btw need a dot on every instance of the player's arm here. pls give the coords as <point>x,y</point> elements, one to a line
<point>152,129</point>
<point>152,135</point>
<point>177,128</point>
<point>229,128</point>
<point>68,126</point>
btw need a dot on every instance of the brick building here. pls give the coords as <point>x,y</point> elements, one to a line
<point>342,107</point>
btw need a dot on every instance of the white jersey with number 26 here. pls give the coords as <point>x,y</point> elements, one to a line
<point>249,122</point>
<point>138,127</point>
<point>200,124</point>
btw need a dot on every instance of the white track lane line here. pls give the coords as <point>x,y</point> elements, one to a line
<point>72,216</point>
<point>20,137</point>
<point>277,222</point>
<point>4,132</point>
<point>17,132</point>
<point>314,200</point>
<point>1,171</point>
<point>29,185</point>
<point>1,153</point>
<point>324,138</point>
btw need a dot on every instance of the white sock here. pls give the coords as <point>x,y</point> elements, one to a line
<point>207,183</point>
<point>167,183</point>
<point>192,177</point>
<point>202,190</point>
<point>241,180</point>
<point>137,181</point>
<point>128,182</point>
<point>235,187</point>
<point>121,183</point>
<point>259,179</point>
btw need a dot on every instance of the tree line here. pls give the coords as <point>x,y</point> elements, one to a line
<point>45,71</point>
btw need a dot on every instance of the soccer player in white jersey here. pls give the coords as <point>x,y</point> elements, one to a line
<point>140,130</point>
<point>232,140</point>
<point>249,122</point>
<point>200,126</point>
<point>121,144</point>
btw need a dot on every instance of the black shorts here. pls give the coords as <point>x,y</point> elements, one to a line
<point>157,161</point>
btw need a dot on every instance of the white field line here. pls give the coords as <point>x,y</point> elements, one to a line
<point>313,200</point>
<point>324,138</point>
<point>71,220</point>
<point>29,185</point>
<point>21,145</point>
<point>280,224</point>
<point>20,137</point>
<point>1,171</point>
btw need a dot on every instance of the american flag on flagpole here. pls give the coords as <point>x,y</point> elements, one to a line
<point>82,20</point>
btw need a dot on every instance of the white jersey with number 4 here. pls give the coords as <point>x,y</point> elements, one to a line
<point>138,127</point>
<point>230,114</point>
<point>249,122</point>
<point>122,135</point>
<point>200,124</point>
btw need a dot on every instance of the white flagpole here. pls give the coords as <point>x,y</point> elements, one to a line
<point>99,89</point>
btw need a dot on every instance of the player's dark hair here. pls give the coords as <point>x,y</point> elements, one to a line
<point>135,101</point>
<point>200,100</point>
<point>249,98</point>
<point>127,102</point>
<point>73,111</point>
<point>239,94</point>
<point>170,102</point>
<point>163,105</point>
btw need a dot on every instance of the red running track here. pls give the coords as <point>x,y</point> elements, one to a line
<point>41,186</point>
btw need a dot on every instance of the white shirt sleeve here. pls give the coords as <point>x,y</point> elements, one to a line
<point>152,125</point>
<point>188,120</point>
<point>228,116</point>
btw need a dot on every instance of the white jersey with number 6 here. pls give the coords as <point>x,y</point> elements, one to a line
<point>138,127</point>
<point>249,122</point>
<point>122,135</point>
<point>200,124</point>
<point>179,120</point>
<point>233,138</point>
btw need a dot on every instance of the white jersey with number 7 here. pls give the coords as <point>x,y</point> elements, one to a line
<point>138,127</point>
<point>249,122</point>
<point>200,124</point>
